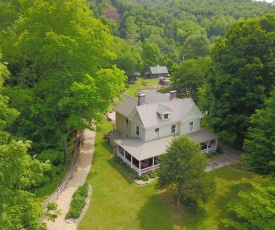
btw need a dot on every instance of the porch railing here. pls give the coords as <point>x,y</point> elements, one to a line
<point>150,169</point>
<point>209,150</point>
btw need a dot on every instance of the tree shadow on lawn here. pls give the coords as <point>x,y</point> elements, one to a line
<point>222,201</point>
<point>160,212</point>
<point>230,174</point>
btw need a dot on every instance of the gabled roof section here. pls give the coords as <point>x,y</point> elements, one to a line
<point>148,113</point>
<point>159,69</point>
<point>155,97</point>
<point>162,109</point>
<point>126,106</point>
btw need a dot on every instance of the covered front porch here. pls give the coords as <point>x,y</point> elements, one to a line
<point>143,157</point>
<point>139,166</point>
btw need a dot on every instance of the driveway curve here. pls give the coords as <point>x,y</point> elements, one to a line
<point>78,178</point>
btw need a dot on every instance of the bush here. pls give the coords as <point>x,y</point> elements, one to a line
<point>153,174</point>
<point>125,167</point>
<point>78,202</point>
<point>219,150</point>
<point>145,177</point>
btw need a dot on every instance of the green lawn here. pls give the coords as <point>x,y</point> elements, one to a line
<point>118,203</point>
<point>132,91</point>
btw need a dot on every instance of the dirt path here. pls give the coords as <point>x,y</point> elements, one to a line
<point>79,177</point>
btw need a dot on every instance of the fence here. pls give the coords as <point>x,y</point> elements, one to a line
<point>73,167</point>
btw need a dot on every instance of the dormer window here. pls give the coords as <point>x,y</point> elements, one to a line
<point>166,116</point>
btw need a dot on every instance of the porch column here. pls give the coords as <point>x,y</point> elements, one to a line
<point>153,164</point>
<point>216,144</point>
<point>124,155</point>
<point>131,161</point>
<point>207,146</point>
<point>117,148</point>
<point>139,171</point>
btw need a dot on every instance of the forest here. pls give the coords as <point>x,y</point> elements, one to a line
<point>64,62</point>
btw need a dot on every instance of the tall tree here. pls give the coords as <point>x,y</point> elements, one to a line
<point>58,56</point>
<point>260,139</point>
<point>190,75</point>
<point>195,46</point>
<point>19,208</point>
<point>183,167</point>
<point>243,74</point>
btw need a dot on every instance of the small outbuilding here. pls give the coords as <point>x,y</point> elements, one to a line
<point>157,71</point>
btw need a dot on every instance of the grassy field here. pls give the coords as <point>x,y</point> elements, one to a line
<point>118,203</point>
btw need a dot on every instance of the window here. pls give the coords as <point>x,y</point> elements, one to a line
<point>156,132</point>
<point>126,122</point>
<point>137,130</point>
<point>191,124</point>
<point>173,129</point>
<point>166,116</point>
<point>126,135</point>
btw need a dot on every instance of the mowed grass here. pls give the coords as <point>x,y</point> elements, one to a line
<point>118,203</point>
<point>133,89</point>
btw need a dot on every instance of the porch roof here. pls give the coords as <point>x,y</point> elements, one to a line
<point>142,150</point>
<point>202,136</point>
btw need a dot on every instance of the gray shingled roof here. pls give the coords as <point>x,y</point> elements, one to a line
<point>159,70</point>
<point>144,150</point>
<point>126,107</point>
<point>179,109</point>
<point>156,103</point>
<point>202,136</point>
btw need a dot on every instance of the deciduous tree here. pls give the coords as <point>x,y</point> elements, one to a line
<point>260,139</point>
<point>183,167</point>
<point>253,209</point>
<point>243,74</point>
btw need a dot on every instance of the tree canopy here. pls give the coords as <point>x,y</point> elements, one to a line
<point>19,208</point>
<point>242,75</point>
<point>183,166</point>
<point>253,209</point>
<point>260,139</point>
<point>60,58</point>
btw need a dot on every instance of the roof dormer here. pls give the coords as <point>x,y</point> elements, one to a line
<point>164,112</point>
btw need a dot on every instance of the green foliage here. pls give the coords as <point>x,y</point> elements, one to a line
<point>125,167</point>
<point>189,76</point>
<point>19,208</point>
<point>242,76</point>
<point>260,139</point>
<point>182,166</point>
<point>62,71</point>
<point>54,156</point>
<point>153,175</point>
<point>78,202</point>
<point>145,177</point>
<point>253,209</point>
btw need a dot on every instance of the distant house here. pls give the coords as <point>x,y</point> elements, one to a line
<point>132,78</point>
<point>145,126</point>
<point>157,71</point>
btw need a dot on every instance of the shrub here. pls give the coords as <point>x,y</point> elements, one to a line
<point>145,177</point>
<point>78,202</point>
<point>153,174</point>
<point>219,150</point>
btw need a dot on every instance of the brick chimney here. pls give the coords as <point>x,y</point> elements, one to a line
<point>141,98</point>
<point>173,95</point>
